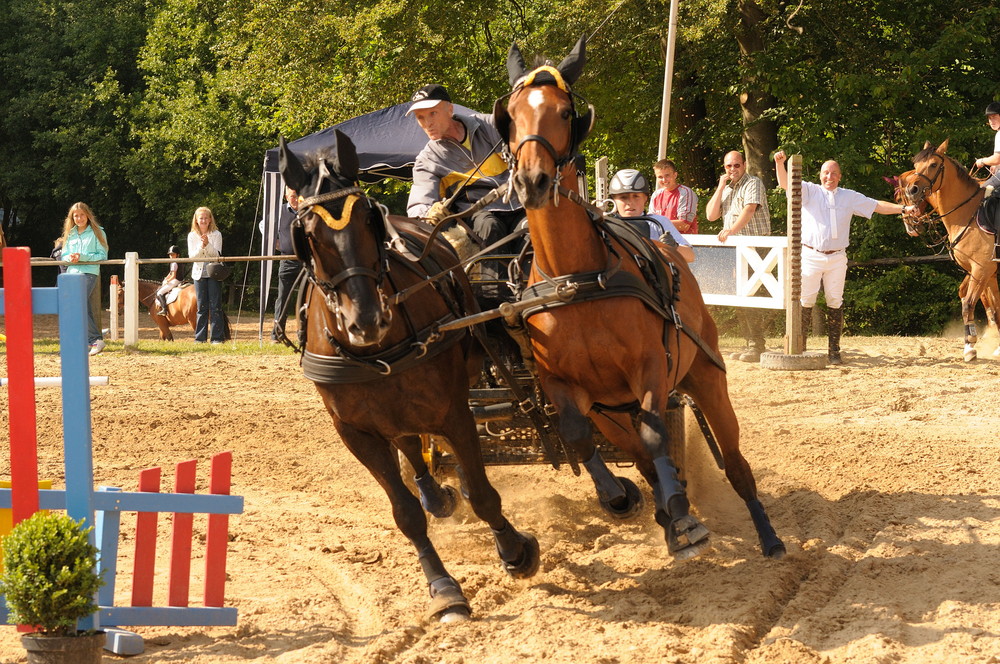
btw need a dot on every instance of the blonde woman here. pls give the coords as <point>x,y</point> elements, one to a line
<point>84,240</point>
<point>205,241</point>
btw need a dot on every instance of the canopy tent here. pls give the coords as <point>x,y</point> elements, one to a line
<point>387,142</point>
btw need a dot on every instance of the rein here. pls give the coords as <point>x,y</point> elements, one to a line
<point>950,244</point>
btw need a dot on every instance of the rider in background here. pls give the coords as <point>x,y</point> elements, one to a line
<point>171,281</point>
<point>629,189</point>
<point>463,154</point>
<point>993,161</point>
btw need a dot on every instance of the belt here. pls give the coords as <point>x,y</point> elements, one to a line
<point>835,251</point>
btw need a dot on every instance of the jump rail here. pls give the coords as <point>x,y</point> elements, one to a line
<point>18,301</point>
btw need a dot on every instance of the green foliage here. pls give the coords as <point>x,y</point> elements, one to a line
<point>908,300</point>
<point>50,576</point>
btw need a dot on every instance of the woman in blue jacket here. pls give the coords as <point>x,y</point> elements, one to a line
<point>84,240</point>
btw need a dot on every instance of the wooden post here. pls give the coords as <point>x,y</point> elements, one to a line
<point>113,302</point>
<point>793,290</point>
<point>131,299</point>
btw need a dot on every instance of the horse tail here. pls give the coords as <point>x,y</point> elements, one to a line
<point>229,328</point>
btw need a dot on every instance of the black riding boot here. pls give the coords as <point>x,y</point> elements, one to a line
<point>807,321</point>
<point>834,326</point>
<point>162,299</point>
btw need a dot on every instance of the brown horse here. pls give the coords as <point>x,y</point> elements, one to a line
<point>182,310</point>
<point>941,182</point>
<point>382,368</point>
<point>616,356</point>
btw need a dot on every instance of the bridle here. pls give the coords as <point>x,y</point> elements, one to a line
<point>579,128</point>
<point>932,186</point>
<point>304,244</point>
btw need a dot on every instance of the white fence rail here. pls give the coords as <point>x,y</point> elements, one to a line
<point>746,271</point>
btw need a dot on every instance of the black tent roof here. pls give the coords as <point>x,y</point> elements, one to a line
<point>387,141</point>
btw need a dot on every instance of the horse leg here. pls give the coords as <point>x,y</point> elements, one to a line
<point>437,499</point>
<point>618,496</point>
<point>448,604</point>
<point>162,325</point>
<point>706,384</point>
<point>970,295</point>
<point>519,553</point>
<point>990,299</point>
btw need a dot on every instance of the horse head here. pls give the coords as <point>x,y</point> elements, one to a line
<point>339,235</point>
<point>927,175</point>
<point>541,124</point>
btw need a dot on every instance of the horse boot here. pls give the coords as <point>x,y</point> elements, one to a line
<point>162,299</point>
<point>807,321</point>
<point>834,326</point>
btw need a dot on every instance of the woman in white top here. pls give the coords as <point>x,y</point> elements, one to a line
<point>205,241</point>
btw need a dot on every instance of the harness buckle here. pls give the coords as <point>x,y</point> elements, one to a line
<point>526,406</point>
<point>386,370</point>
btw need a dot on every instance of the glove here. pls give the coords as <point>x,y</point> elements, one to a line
<point>436,213</point>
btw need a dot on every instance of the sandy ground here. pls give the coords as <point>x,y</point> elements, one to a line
<point>882,477</point>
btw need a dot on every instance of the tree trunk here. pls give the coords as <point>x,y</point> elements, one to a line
<point>760,136</point>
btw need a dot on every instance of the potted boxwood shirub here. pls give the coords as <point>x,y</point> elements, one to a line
<point>49,581</point>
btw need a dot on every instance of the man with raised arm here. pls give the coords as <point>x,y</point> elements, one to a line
<point>827,210</point>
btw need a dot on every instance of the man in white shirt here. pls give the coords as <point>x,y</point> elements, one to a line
<point>826,231</point>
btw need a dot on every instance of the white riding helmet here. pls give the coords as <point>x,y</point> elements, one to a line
<point>628,180</point>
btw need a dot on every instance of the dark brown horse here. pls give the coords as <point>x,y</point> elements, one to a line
<point>385,373</point>
<point>615,356</point>
<point>182,310</point>
<point>941,182</point>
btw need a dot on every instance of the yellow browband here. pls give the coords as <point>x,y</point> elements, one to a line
<point>345,216</point>
<point>560,82</point>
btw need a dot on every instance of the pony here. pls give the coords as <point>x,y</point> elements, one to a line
<point>182,310</point>
<point>942,183</point>
<point>636,329</point>
<point>385,373</point>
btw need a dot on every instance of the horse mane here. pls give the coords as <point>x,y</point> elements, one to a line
<point>930,151</point>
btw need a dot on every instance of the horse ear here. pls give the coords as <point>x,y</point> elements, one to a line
<point>927,144</point>
<point>345,161</point>
<point>572,65</point>
<point>943,148</point>
<point>291,168</point>
<point>515,64</point>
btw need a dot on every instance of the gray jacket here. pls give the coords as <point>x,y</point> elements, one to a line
<point>443,165</point>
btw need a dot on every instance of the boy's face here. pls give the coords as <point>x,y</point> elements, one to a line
<point>666,178</point>
<point>632,204</point>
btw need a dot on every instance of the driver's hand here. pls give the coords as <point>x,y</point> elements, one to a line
<point>436,214</point>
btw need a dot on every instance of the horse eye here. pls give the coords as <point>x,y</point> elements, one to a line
<point>566,114</point>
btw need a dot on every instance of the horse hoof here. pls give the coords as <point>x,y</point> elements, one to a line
<point>449,499</point>
<point>626,506</point>
<point>775,551</point>
<point>527,565</point>
<point>454,615</point>
<point>686,537</point>
<point>448,604</point>
<point>970,356</point>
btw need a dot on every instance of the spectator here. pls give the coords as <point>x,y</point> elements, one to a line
<point>826,230</point>
<point>673,200</point>
<point>84,240</point>
<point>205,241</point>
<point>741,201</point>
<point>629,189</point>
<point>288,270</point>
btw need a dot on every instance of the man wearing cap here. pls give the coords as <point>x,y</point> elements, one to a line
<point>993,161</point>
<point>463,157</point>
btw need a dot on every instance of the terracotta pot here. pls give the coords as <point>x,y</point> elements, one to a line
<point>81,649</point>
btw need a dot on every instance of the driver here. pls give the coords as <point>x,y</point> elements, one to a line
<point>629,189</point>
<point>463,153</point>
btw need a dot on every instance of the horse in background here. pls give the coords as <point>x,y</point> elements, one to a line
<point>942,183</point>
<point>182,310</point>
<point>636,329</point>
<point>384,371</point>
